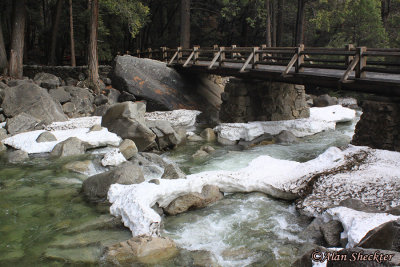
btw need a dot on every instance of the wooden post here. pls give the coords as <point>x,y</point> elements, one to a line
<point>233,55</point>
<point>349,59</point>
<point>179,59</point>
<point>263,55</point>
<point>362,63</point>
<point>164,55</point>
<point>196,54</point>
<point>150,53</point>
<point>300,59</point>
<point>138,53</point>
<point>222,56</point>
<point>256,57</point>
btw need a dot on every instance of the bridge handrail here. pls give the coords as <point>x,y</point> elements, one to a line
<point>349,58</point>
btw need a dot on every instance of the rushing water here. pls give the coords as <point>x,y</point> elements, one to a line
<point>44,220</point>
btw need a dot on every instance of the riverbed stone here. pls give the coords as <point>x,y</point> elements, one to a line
<point>152,165</point>
<point>47,80</point>
<point>385,236</point>
<point>70,147</point>
<point>96,128</point>
<point>285,137</point>
<point>172,171</point>
<point>141,249</point>
<point>200,154</point>
<point>82,99</point>
<point>113,96</point>
<point>127,120</point>
<point>207,148</point>
<point>128,148</point>
<point>21,123</point>
<point>103,222</point>
<point>194,138</point>
<point>100,100</point>
<point>331,231</point>
<point>166,136</point>
<point>17,156</point>
<point>208,134</point>
<point>325,100</point>
<point>60,95</point>
<point>209,194</point>
<point>46,137</point>
<point>33,100</point>
<point>79,166</point>
<point>3,134</point>
<point>96,187</point>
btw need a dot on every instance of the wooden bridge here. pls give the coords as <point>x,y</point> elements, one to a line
<point>370,70</point>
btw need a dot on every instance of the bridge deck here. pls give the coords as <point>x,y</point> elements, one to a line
<point>342,68</point>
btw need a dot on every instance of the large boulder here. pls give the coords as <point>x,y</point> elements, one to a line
<point>141,249</point>
<point>21,123</point>
<point>127,120</point>
<point>209,194</point>
<point>163,88</point>
<point>60,95</point>
<point>33,100</point>
<point>82,99</point>
<point>96,187</point>
<point>385,236</point>
<point>47,80</point>
<point>172,171</point>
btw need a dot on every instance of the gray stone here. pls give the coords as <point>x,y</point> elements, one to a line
<point>226,142</point>
<point>107,81</point>
<point>47,80</point>
<point>21,123</point>
<point>102,222</point>
<point>96,128</point>
<point>209,194</point>
<point>17,156</point>
<point>194,138</point>
<point>385,236</point>
<point>46,137</point>
<point>331,231</point>
<point>154,181</point>
<point>172,171</point>
<point>2,117</point>
<point>68,108</point>
<point>3,134</point>
<point>14,83</point>
<point>313,232</point>
<point>166,136</point>
<point>208,134</point>
<point>82,99</point>
<point>265,139</point>
<point>357,204</point>
<point>151,164</point>
<point>127,120</point>
<point>162,87</point>
<point>128,148</point>
<point>200,154</point>
<point>141,250</point>
<point>113,96</point>
<point>70,147</point>
<point>285,137</point>
<point>394,211</point>
<point>126,96</point>
<point>60,95</point>
<point>207,148</point>
<point>33,100</point>
<point>324,101</point>
<point>2,147</point>
<point>181,131</point>
<point>71,81</point>
<point>101,110</point>
<point>78,256</point>
<point>100,100</point>
<point>96,187</point>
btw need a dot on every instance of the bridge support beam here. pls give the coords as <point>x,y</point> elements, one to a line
<point>379,126</point>
<point>256,100</point>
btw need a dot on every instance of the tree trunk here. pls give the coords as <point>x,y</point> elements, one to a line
<point>71,24</point>
<point>300,23</point>
<point>93,63</point>
<point>185,23</point>
<point>279,23</point>
<point>274,22</point>
<point>56,23</point>
<point>268,28</point>
<point>17,40</point>
<point>385,10</point>
<point>3,54</point>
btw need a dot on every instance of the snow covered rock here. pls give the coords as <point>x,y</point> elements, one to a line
<point>177,118</point>
<point>113,158</point>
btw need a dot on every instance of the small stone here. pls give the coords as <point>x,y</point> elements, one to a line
<point>200,154</point>
<point>208,134</point>
<point>68,107</point>
<point>100,100</point>
<point>172,171</point>
<point>194,138</point>
<point>128,148</point>
<point>226,142</point>
<point>96,128</point>
<point>17,156</point>
<point>46,137</point>
<point>208,149</point>
<point>3,134</point>
<point>2,118</point>
<point>79,166</point>
<point>154,181</point>
<point>70,147</point>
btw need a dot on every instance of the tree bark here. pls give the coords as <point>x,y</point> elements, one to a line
<point>93,62</point>
<point>71,24</point>
<point>300,23</point>
<point>385,10</point>
<point>17,40</point>
<point>279,24</point>
<point>185,24</point>
<point>3,54</point>
<point>268,27</point>
<point>52,60</point>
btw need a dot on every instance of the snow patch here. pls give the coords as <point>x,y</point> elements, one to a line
<point>177,118</point>
<point>321,119</point>
<point>83,122</point>
<point>113,158</point>
<point>357,224</point>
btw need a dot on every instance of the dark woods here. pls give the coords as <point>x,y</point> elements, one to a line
<point>81,32</point>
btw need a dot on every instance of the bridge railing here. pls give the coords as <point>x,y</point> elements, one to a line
<point>350,59</point>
